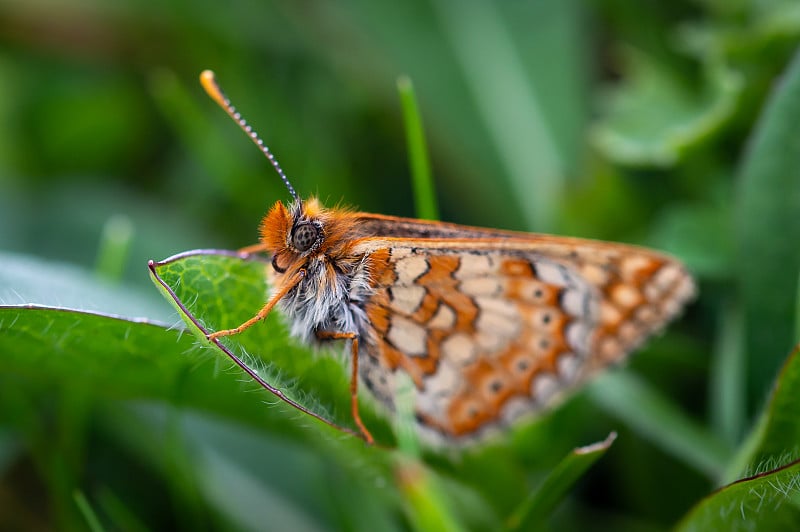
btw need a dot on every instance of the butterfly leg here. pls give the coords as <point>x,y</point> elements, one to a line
<point>329,335</point>
<point>265,310</point>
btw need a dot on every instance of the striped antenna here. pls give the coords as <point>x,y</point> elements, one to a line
<point>209,83</point>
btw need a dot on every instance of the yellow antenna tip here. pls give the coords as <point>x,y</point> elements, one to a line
<point>209,82</point>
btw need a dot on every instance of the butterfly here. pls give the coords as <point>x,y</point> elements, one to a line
<point>489,325</point>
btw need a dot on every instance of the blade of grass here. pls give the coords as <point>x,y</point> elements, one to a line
<point>92,522</point>
<point>656,418</point>
<point>418,160</point>
<point>119,514</point>
<point>728,376</point>
<point>541,503</point>
<point>114,247</point>
<point>407,439</point>
<point>797,312</point>
<point>425,506</point>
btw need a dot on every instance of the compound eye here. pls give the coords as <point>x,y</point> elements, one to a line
<point>305,235</point>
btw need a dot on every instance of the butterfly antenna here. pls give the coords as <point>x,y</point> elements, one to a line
<point>209,83</point>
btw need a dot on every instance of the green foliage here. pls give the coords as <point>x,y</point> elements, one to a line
<point>657,419</point>
<point>652,119</point>
<point>213,291</point>
<point>764,502</point>
<point>773,442</point>
<point>672,125</point>
<point>539,505</point>
<point>767,209</point>
<point>766,496</point>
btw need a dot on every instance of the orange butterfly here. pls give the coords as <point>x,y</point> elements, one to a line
<point>489,325</point>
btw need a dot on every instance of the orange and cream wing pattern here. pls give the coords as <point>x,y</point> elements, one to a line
<point>490,331</point>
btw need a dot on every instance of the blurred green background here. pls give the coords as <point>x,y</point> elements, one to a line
<point>645,122</point>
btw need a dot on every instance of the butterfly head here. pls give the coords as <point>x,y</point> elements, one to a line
<point>302,231</point>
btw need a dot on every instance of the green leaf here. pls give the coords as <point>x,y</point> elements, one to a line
<point>25,280</point>
<point>540,504</point>
<point>118,358</point>
<point>133,368</point>
<point>216,290</point>
<point>655,117</point>
<point>748,31</point>
<point>768,501</point>
<point>774,440</point>
<point>767,229</point>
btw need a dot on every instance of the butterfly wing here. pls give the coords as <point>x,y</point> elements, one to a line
<point>490,329</point>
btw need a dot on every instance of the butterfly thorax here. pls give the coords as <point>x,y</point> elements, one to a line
<point>319,242</point>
